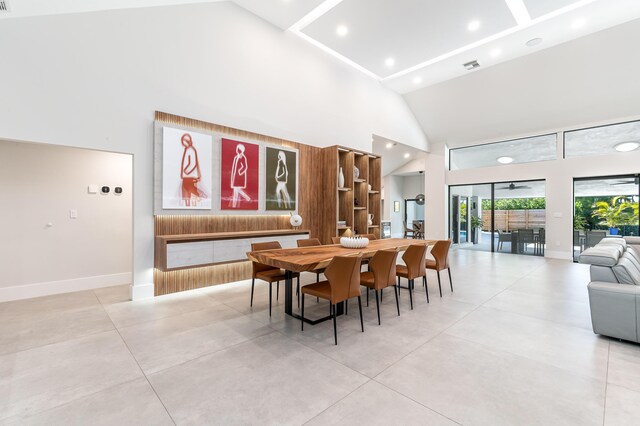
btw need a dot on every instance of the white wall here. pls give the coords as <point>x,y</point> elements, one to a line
<point>93,80</point>
<point>40,184</point>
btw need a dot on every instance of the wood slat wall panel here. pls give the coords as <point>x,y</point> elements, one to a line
<point>310,207</point>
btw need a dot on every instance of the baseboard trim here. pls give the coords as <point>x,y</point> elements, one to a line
<point>141,291</point>
<point>557,255</point>
<point>29,291</point>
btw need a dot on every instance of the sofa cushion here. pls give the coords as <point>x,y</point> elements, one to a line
<point>632,258</point>
<point>601,255</point>
<point>627,272</point>
<point>614,241</point>
<point>631,252</point>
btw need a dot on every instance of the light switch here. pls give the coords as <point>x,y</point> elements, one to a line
<point>73,214</point>
<point>93,189</point>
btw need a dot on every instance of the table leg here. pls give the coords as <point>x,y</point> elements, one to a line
<point>288,293</point>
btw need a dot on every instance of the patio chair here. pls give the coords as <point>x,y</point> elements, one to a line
<point>525,237</point>
<point>594,237</point>
<point>503,238</point>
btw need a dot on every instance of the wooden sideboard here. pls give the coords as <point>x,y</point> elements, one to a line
<point>175,252</point>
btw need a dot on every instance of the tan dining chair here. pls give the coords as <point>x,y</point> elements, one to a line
<point>413,268</point>
<point>407,230</point>
<point>382,274</point>
<point>269,273</point>
<point>440,261</point>
<point>311,242</point>
<point>335,240</point>
<point>342,283</point>
<point>370,237</point>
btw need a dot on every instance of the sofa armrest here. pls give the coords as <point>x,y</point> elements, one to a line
<point>613,309</point>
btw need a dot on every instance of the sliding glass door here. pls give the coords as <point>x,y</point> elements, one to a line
<point>604,206</point>
<point>507,217</point>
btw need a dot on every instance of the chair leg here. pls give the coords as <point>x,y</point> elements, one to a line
<point>298,291</point>
<point>439,287</point>
<point>317,280</point>
<point>396,290</point>
<point>381,295</point>
<point>270,287</point>
<point>450,281</point>
<point>411,293</point>
<point>426,287</point>
<point>302,315</point>
<point>398,286</point>
<point>277,290</point>
<point>346,307</point>
<point>378,306</point>
<point>367,296</point>
<point>335,327</point>
<point>253,284</point>
<point>360,309</point>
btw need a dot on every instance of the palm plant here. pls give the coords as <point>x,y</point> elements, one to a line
<point>618,212</point>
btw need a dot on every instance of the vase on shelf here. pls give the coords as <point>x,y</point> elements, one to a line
<point>356,172</point>
<point>370,219</point>
<point>341,179</point>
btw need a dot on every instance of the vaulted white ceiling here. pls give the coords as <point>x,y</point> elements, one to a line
<point>406,44</point>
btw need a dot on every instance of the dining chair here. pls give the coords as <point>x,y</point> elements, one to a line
<point>382,274</point>
<point>540,242</point>
<point>525,237</point>
<point>342,283</point>
<point>407,231</point>
<point>311,242</point>
<point>413,268</point>
<point>594,237</point>
<point>418,230</point>
<point>335,240</point>
<point>440,261</point>
<point>269,273</point>
<point>370,237</point>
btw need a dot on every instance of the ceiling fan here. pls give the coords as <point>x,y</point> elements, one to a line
<point>513,186</point>
<point>635,181</point>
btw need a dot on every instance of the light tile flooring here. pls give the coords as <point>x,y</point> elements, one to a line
<point>512,345</point>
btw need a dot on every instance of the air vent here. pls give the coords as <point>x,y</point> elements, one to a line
<point>4,6</point>
<point>471,65</point>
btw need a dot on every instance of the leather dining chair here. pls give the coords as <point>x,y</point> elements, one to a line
<point>440,261</point>
<point>343,283</point>
<point>268,273</point>
<point>382,274</point>
<point>368,236</point>
<point>413,268</point>
<point>335,240</point>
<point>311,242</point>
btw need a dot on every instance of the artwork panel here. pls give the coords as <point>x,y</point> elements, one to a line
<point>239,175</point>
<point>281,179</point>
<point>186,169</point>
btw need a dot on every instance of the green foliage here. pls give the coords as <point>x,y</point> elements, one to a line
<point>476,222</point>
<point>515,204</point>
<point>579,223</point>
<point>619,211</point>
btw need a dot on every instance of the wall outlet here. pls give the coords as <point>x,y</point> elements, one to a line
<point>92,189</point>
<point>73,214</point>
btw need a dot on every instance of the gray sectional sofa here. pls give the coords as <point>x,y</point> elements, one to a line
<point>614,290</point>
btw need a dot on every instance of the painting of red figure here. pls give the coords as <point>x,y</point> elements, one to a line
<point>239,174</point>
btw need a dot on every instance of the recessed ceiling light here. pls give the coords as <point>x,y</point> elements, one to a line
<point>505,160</point>
<point>534,42</point>
<point>473,25</point>
<point>578,23</point>
<point>627,146</point>
<point>407,155</point>
<point>389,145</point>
<point>342,30</point>
<point>417,80</point>
<point>495,53</point>
<point>389,62</point>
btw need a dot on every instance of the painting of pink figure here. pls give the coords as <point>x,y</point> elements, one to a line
<point>186,170</point>
<point>239,174</point>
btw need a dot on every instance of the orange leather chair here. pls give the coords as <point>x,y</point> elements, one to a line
<point>343,283</point>
<point>269,273</point>
<point>382,274</point>
<point>335,240</point>
<point>414,267</point>
<point>368,236</point>
<point>311,242</point>
<point>440,253</point>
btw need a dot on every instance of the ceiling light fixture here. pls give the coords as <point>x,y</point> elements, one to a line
<point>389,145</point>
<point>417,80</point>
<point>627,146</point>
<point>407,155</point>
<point>389,62</point>
<point>342,30</point>
<point>505,160</point>
<point>578,23</point>
<point>534,42</point>
<point>519,11</point>
<point>495,53</point>
<point>473,26</point>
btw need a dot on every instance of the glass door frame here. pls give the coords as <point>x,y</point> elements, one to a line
<point>493,203</point>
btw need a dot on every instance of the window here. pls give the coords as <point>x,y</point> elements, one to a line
<point>526,150</point>
<point>602,140</point>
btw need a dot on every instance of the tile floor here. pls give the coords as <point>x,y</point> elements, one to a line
<point>512,346</point>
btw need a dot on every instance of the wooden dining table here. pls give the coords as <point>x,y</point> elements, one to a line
<point>309,259</point>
